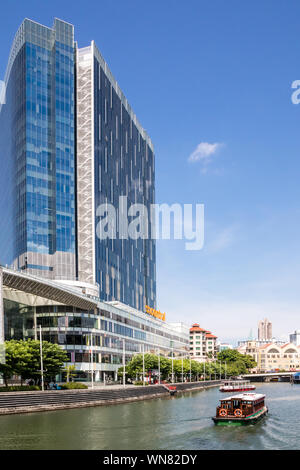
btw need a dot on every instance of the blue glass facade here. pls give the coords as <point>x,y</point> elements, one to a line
<point>40,105</point>
<point>106,329</point>
<point>66,148</point>
<point>115,159</point>
<point>124,166</point>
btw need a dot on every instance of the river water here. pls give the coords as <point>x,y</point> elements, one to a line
<point>182,422</point>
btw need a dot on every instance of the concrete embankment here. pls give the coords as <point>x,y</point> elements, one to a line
<point>28,402</point>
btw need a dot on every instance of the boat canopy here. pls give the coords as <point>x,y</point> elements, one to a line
<point>235,382</point>
<point>245,396</point>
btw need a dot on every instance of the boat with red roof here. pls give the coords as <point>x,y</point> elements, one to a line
<point>241,409</point>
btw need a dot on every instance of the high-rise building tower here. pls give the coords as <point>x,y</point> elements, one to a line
<point>114,159</point>
<point>295,337</point>
<point>264,330</point>
<point>38,152</point>
<point>69,142</point>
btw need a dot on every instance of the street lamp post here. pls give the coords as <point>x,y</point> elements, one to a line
<point>159,367</point>
<point>92,361</point>
<point>143,364</point>
<point>182,369</point>
<point>190,369</point>
<point>124,372</point>
<point>41,352</point>
<point>172,366</point>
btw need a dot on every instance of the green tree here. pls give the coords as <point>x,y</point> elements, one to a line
<point>18,360</point>
<point>70,372</point>
<point>134,368</point>
<point>23,358</point>
<point>54,358</point>
<point>236,362</point>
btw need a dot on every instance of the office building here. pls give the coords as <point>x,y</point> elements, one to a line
<point>295,338</point>
<point>69,142</point>
<point>96,335</point>
<point>38,153</point>
<point>114,159</point>
<point>264,330</point>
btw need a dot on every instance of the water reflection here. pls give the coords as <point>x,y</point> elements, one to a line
<point>182,422</point>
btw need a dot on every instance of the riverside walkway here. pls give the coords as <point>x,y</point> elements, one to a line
<point>26,402</point>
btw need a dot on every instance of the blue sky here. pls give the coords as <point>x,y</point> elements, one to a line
<point>214,72</point>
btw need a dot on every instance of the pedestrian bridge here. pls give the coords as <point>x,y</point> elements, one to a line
<point>267,376</point>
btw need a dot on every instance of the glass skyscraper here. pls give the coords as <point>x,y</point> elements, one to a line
<point>114,158</point>
<point>38,152</point>
<point>69,141</point>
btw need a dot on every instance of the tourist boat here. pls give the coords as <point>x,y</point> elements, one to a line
<point>236,386</point>
<point>244,408</point>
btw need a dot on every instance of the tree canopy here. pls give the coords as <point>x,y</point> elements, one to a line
<point>236,364</point>
<point>234,359</point>
<point>23,358</point>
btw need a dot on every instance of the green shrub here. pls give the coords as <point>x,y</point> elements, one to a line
<point>140,383</point>
<point>73,386</point>
<point>20,388</point>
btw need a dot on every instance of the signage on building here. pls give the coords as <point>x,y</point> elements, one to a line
<point>155,313</point>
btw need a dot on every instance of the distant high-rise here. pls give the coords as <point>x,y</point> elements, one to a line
<point>264,330</point>
<point>69,141</point>
<point>295,337</point>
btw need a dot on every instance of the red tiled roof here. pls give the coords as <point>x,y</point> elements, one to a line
<point>196,327</point>
<point>265,345</point>
<point>289,344</point>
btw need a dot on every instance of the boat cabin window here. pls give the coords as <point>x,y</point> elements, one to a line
<point>225,404</point>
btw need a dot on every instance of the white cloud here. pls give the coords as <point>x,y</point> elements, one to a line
<point>204,151</point>
<point>223,239</point>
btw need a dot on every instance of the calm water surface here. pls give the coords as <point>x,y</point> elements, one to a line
<point>182,422</point>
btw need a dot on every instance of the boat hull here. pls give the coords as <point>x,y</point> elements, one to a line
<point>232,421</point>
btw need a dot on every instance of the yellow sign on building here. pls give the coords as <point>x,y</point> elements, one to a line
<point>155,313</point>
